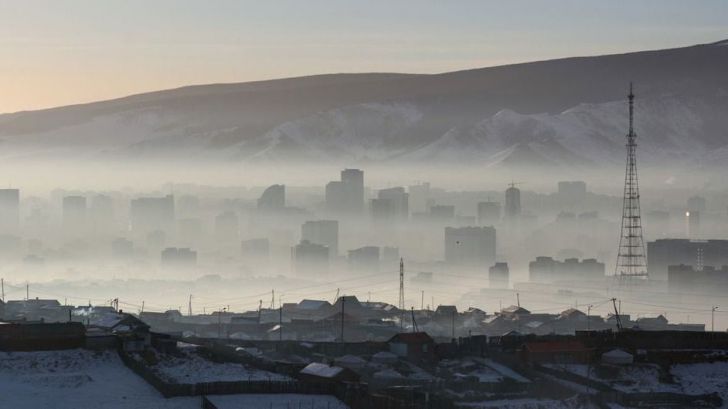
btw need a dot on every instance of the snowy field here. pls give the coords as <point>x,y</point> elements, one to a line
<point>529,404</point>
<point>192,368</point>
<point>75,379</point>
<point>703,378</point>
<point>279,401</point>
<point>692,379</point>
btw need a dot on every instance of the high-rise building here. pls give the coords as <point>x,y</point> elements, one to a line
<point>9,211</point>
<point>391,204</point>
<point>310,258</point>
<point>324,232</point>
<point>256,250</point>
<point>473,246</point>
<point>148,214</point>
<point>178,257</point>
<point>498,275</point>
<point>347,195</point>
<point>74,214</point>
<point>663,253</point>
<point>697,203</point>
<point>419,197</point>
<point>227,227</point>
<point>546,269</point>
<point>122,248</point>
<point>101,213</point>
<point>389,255</point>
<point>513,202</point>
<point>353,183</point>
<point>273,198</point>
<point>364,259</point>
<point>571,192</point>
<point>488,213</point>
<point>442,212</point>
<point>692,224</point>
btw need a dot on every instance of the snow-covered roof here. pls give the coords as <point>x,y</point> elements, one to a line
<point>617,353</point>
<point>313,304</point>
<point>321,370</point>
<point>388,373</point>
<point>350,359</point>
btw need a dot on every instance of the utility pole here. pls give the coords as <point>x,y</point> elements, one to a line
<point>219,323</point>
<point>142,310</point>
<point>588,313</point>
<point>260,307</point>
<point>619,319</point>
<point>518,300</point>
<point>27,291</point>
<point>343,302</point>
<point>712,319</point>
<point>422,303</point>
<point>272,299</point>
<point>189,306</point>
<point>280,323</point>
<point>401,293</point>
<point>453,325</point>
<point>414,322</point>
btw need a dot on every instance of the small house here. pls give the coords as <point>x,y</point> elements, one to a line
<point>414,346</point>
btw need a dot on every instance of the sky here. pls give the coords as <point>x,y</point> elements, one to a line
<point>60,52</point>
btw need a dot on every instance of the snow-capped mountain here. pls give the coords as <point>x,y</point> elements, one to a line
<point>568,112</point>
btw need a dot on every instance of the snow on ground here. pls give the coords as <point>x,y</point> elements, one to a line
<point>630,378</point>
<point>505,371</point>
<point>278,401</point>
<point>77,378</point>
<point>703,378</point>
<point>192,368</point>
<point>528,404</point>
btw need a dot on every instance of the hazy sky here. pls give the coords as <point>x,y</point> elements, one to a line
<point>55,52</point>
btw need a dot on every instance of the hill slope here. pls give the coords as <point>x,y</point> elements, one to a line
<point>566,112</point>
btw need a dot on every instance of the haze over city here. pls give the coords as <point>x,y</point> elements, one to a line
<point>364,204</point>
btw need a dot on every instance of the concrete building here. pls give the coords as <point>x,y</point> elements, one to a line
<point>227,227</point>
<point>364,259</point>
<point>419,197</point>
<point>442,213</point>
<point>178,257</point>
<point>513,203</point>
<point>273,198</point>
<point>74,214</point>
<point>706,279</point>
<point>148,214</point>
<point>122,248</point>
<point>346,196</point>
<point>390,205</point>
<point>498,275</point>
<point>571,193</point>
<point>324,232</point>
<point>310,258</point>
<point>474,246</point>
<point>546,269</point>
<point>9,211</point>
<point>671,252</point>
<point>489,213</point>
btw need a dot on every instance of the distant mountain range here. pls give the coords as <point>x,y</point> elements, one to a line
<point>568,112</point>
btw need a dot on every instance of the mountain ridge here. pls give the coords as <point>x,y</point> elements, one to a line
<point>399,116</point>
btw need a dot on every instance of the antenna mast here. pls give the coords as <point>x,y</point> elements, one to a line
<point>631,253</point>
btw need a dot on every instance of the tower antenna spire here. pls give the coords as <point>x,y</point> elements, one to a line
<point>631,253</point>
